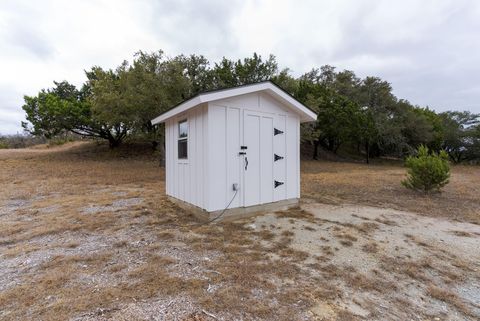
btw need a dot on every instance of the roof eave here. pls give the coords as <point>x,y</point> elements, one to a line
<point>183,107</point>
<point>306,115</point>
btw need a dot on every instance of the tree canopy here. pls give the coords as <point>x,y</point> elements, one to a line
<point>361,116</point>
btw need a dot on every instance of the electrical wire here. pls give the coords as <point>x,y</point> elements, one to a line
<point>223,212</point>
<point>213,219</point>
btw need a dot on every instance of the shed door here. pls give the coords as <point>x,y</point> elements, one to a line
<point>258,137</point>
<point>280,158</point>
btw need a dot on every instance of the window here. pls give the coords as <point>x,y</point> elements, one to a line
<point>183,139</point>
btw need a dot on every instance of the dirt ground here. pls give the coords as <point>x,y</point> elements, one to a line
<point>89,235</point>
<point>379,185</point>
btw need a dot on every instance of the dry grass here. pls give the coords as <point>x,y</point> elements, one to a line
<point>74,210</point>
<point>345,236</point>
<point>56,281</point>
<point>55,189</point>
<point>366,283</point>
<point>74,191</point>
<point>366,227</point>
<point>379,185</point>
<point>412,269</point>
<point>370,247</point>
<point>297,213</point>
<point>448,297</point>
<point>345,315</point>
<point>462,233</point>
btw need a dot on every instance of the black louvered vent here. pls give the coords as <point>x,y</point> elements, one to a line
<point>276,157</point>
<point>277,183</point>
<point>277,132</point>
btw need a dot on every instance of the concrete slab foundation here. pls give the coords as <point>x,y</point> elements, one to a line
<point>238,212</point>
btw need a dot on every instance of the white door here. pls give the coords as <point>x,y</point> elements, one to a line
<point>279,158</point>
<point>258,135</point>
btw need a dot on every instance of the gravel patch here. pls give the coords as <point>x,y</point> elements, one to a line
<point>397,235</point>
<point>159,309</point>
<point>115,206</point>
<point>10,206</point>
<point>471,291</point>
<point>49,209</point>
<point>13,269</point>
<point>189,264</point>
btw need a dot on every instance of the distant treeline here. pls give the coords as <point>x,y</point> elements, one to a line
<point>20,141</point>
<point>361,116</point>
<point>26,140</point>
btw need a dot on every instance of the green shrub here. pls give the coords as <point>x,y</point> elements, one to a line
<point>58,141</point>
<point>427,171</point>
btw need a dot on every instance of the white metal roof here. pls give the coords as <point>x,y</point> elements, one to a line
<point>268,87</point>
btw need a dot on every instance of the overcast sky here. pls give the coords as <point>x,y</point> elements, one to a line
<point>428,50</point>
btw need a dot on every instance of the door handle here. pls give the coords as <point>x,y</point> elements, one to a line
<point>246,162</point>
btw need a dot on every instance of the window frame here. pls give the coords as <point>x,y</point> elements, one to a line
<point>182,139</point>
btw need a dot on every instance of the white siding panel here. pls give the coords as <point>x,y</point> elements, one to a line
<point>233,163</point>
<point>173,147</point>
<point>206,158</point>
<point>185,178</point>
<point>297,141</point>
<point>268,104</point>
<point>171,158</point>
<point>280,166</point>
<point>217,157</point>
<point>188,179</point>
<point>174,174</point>
<point>266,160</point>
<point>181,181</point>
<point>251,188</point>
<point>250,100</point>
<point>197,198</point>
<point>216,131</point>
<point>168,181</point>
<point>192,151</point>
<point>292,159</point>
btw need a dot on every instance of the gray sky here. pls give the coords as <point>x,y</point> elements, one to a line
<point>428,50</point>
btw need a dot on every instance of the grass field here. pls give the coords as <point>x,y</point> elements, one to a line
<point>379,185</point>
<point>89,235</point>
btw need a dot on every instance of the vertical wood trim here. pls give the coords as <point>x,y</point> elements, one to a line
<point>206,139</point>
<point>225,156</point>
<point>298,157</point>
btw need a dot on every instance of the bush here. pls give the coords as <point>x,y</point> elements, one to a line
<point>20,141</point>
<point>427,171</point>
<point>61,140</point>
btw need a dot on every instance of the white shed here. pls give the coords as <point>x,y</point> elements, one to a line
<point>236,148</point>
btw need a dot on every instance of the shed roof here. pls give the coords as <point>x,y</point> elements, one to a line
<point>305,113</point>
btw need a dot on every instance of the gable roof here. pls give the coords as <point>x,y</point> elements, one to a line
<point>305,113</point>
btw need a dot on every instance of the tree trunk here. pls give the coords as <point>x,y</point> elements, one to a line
<point>161,157</point>
<point>367,152</point>
<point>113,142</point>
<point>331,145</point>
<point>456,157</point>
<point>315,149</point>
<point>335,149</point>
